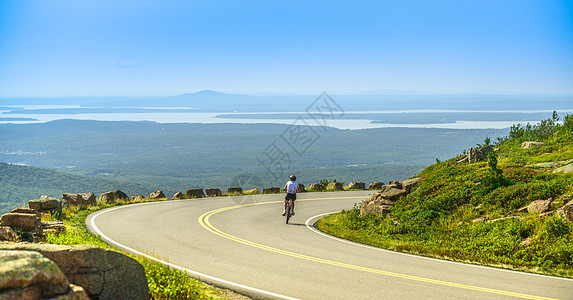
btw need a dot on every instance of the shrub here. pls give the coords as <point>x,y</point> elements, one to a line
<point>325,182</point>
<point>556,226</point>
<point>516,196</point>
<point>521,174</point>
<point>566,129</point>
<point>539,131</point>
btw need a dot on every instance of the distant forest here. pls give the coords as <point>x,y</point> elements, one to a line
<point>175,157</point>
<point>18,184</point>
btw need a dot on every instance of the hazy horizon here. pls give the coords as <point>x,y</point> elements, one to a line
<point>378,92</point>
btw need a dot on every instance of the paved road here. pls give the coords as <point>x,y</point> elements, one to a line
<point>249,248</point>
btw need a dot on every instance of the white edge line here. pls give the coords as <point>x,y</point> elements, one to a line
<point>200,275</point>
<point>311,227</point>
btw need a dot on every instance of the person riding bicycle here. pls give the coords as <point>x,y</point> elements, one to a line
<point>291,187</point>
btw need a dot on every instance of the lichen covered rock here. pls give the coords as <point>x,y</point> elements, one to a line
<point>21,270</point>
<point>213,192</point>
<point>103,273</point>
<point>357,185</point>
<point>113,196</point>
<point>157,195</point>
<point>335,186</point>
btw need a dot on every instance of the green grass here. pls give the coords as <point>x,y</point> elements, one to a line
<point>437,219</point>
<point>167,283</point>
<point>164,282</point>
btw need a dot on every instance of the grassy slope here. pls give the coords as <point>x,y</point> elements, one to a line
<point>438,218</point>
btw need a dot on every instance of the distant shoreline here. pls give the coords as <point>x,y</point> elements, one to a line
<point>351,120</point>
<point>3,120</point>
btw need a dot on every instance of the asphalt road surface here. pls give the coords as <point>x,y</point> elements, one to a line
<point>243,243</point>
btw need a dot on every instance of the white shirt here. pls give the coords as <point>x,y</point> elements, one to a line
<point>291,187</point>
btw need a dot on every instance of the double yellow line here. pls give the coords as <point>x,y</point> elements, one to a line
<point>204,221</point>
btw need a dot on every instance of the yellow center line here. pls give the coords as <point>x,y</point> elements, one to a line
<point>204,220</point>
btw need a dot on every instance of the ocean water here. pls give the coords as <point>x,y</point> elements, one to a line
<point>293,118</point>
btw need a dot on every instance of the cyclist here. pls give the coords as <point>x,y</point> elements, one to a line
<point>291,187</point>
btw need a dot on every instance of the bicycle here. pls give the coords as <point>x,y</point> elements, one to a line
<point>288,212</point>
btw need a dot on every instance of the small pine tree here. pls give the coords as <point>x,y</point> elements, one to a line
<point>496,178</point>
<point>486,142</point>
<point>494,171</point>
<point>555,117</point>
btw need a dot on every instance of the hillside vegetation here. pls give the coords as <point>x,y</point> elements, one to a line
<point>471,212</point>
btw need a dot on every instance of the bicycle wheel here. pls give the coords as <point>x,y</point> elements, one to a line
<point>288,210</point>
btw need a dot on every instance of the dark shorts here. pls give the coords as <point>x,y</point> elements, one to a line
<point>290,196</point>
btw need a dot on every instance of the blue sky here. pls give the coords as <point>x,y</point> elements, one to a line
<point>64,48</point>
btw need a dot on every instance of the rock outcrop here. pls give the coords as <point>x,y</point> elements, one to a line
<point>113,196</point>
<point>480,154</point>
<point>301,188</point>
<point>55,227</point>
<point>26,211</point>
<point>564,166</point>
<point>375,185</point>
<point>234,190</point>
<point>316,187</point>
<point>408,184</point>
<point>30,275</point>
<point>477,155</point>
<point>391,193</point>
<point>136,198</point>
<point>271,190</point>
<point>213,192</point>
<point>375,207</point>
<point>195,193</point>
<point>544,165</point>
<point>157,195</point>
<point>357,185</point>
<point>8,234</point>
<point>531,144</point>
<point>567,211</point>
<point>46,204</point>
<point>382,202</point>
<point>102,273</point>
<point>537,206</point>
<point>82,200</point>
<point>335,186</point>
<point>503,218</point>
<point>178,196</point>
<point>564,169</point>
<point>26,220</point>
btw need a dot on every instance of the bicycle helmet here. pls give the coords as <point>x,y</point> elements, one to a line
<point>292,178</point>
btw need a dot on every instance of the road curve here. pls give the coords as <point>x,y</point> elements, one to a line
<point>243,243</point>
